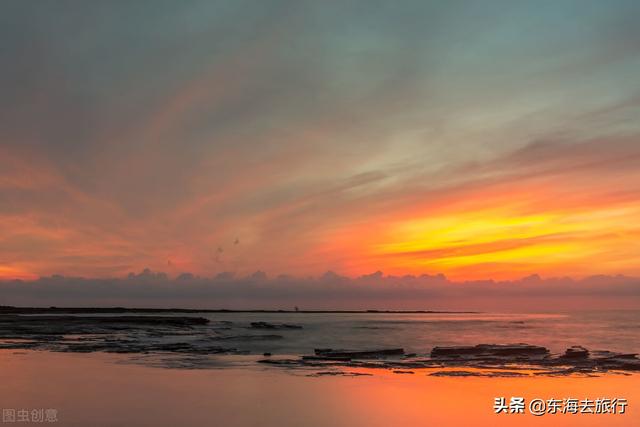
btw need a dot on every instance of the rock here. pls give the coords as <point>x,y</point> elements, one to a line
<point>487,360</point>
<point>506,374</point>
<point>327,358</point>
<point>612,355</point>
<point>576,352</point>
<point>265,325</point>
<point>455,374</point>
<point>103,320</point>
<point>359,354</point>
<point>112,334</point>
<point>267,337</point>
<point>280,362</point>
<point>493,374</point>
<point>489,350</point>
<point>339,373</point>
<point>266,354</point>
<point>623,362</point>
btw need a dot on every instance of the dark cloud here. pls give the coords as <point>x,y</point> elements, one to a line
<point>330,291</point>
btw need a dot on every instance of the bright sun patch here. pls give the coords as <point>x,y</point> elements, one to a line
<point>503,239</point>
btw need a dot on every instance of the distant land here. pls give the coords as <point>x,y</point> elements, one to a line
<point>7,309</point>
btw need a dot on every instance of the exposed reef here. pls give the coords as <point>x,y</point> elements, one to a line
<point>332,354</point>
<point>112,334</point>
<point>189,341</point>
<point>505,360</point>
<point>266,325</point>
<point>490,351</point>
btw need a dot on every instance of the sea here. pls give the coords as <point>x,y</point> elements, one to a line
<point>613,330</point>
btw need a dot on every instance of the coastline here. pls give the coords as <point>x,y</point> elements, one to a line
<point>114,310</point>
<point>332,344</point>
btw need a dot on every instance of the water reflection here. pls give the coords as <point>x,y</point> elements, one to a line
<point>93,389</point>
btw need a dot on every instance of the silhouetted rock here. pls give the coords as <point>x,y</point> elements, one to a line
<point>281,362</point>
<point>266,325</point>
<point>623,362</point>
<point>112,334</point>
<point>576,352</point>
<point>489,350</point>
<point>487,360</point>
<point>493,374</point>
<point>25,320</point>
<point>359,354</point>
<point>327,358</point>
<point>267,337</point>
<point>340,374</point>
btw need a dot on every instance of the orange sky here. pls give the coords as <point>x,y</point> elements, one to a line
<point>575,222</point>
<point>517,219</point>
<point>297,141</point>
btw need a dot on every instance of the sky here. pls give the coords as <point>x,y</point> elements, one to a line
<point>479,140</point>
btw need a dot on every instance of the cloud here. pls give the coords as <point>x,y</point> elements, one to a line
<point>329,291</point>
<point>133,134</point>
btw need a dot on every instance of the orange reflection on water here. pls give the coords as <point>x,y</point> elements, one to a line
<point>94,389</point>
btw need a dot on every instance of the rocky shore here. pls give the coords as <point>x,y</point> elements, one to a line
<point>535,360</point>
<point>198,337</point>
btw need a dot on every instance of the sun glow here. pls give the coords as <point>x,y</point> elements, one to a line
<point>11,273</point>
<point>505,242</point>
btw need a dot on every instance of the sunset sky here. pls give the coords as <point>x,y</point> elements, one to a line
<point>480,140</point>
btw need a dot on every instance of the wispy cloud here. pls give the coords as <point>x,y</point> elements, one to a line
<point>317,135</point>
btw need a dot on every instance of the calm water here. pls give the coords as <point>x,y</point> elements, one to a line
<point>95,390</point>
<point>101,389</point>
<point>418,333</point>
